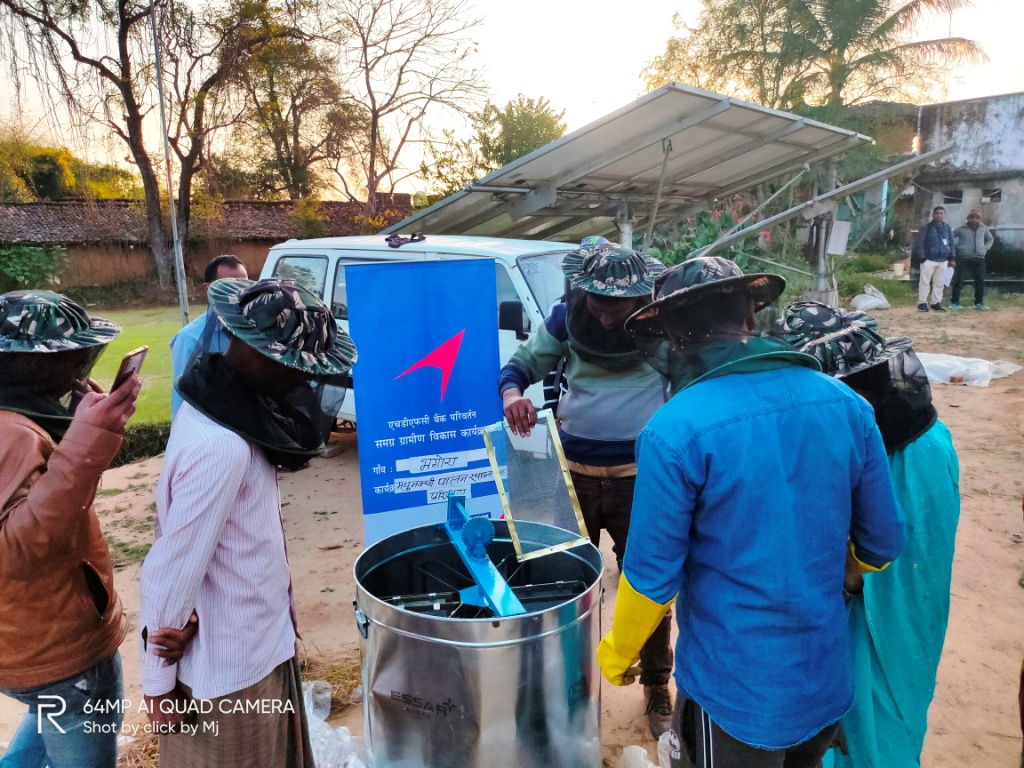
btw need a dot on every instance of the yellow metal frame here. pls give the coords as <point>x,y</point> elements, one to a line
<point>548,417</point>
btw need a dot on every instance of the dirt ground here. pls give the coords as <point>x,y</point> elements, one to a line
<point>973,719</point>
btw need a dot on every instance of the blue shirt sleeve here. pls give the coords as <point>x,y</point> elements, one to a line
<point>659,528</point>
<point>876,524</point>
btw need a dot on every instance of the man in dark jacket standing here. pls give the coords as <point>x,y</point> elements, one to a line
<point>934,250</point>
<point>973,240</point>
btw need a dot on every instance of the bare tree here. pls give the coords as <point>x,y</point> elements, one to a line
<point>202,53</point>
<point>95,59</point>
<point>298,120</point>
<point>405,58</point>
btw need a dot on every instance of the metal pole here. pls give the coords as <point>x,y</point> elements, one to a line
<point>179,259</point>
<point>666,148</point>
<point>849,189</point>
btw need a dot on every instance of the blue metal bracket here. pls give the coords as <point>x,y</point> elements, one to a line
<point>470,537</point>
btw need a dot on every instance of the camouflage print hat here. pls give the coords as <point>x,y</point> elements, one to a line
<point>284,321</point>
<point>853,350</point>
<point>697,279</point>
<point>805,321</point>
<point>611,270</point>
<point>44,321</point>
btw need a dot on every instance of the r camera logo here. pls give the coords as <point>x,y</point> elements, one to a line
<point>44,705</point>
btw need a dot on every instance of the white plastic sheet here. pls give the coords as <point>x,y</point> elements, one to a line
<point>972,371</point>
<point>332,747</point>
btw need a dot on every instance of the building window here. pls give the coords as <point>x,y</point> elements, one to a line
<point>991,195</point>
<point>953,197</point>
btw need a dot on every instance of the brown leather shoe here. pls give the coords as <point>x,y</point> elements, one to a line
<point>659,709</point>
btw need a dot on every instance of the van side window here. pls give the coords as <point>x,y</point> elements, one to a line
<point>507,290</point>
<point>339,299</point>
<point>308,271</point>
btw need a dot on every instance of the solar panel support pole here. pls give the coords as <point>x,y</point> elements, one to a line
<point>624,221</point>
<point>666,148</point>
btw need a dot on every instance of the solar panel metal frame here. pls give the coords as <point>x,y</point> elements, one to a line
<point>578,184</point>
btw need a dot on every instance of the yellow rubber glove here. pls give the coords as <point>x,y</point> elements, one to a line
<point>635,619</point>
<point>855,565</point>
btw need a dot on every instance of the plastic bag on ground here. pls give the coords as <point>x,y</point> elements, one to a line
<point>332,747</point>
<point>667,743</point>
<point>972,371</point>
<point>635,757</point>
<point>872,298</point>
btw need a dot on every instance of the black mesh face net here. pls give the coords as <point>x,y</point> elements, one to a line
<point>31,381</point>
<point>900,394</point>
<point>716,322</point>
<point>280,408</point>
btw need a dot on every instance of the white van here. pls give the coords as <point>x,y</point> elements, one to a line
<point>528,276</point>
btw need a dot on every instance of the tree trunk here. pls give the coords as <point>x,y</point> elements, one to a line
<point>154,212</point>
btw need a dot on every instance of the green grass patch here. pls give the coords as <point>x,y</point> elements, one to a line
<point>103,492</point>
<point>152,328</point>
<point>123,553</point>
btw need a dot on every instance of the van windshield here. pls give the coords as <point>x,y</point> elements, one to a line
<point>543,273</point>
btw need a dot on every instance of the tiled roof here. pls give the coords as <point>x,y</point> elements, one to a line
<point>124,221</point>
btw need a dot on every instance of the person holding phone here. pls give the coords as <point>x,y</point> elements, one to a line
<point>62,618</point>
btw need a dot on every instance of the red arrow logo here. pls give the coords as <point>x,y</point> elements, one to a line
<point>443,358</point>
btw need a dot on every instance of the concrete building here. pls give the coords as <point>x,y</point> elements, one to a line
<point>985,171</point>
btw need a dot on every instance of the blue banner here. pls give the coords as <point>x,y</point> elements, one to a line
<point>425,385</point>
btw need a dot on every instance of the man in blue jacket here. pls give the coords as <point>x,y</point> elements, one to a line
<point>185,341</point>
<point>758,481</point>
<point>934,250</point>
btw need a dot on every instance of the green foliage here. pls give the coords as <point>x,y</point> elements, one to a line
<point>784,53</point>
<point>867,262</point>
<point>143,441</point>
<point>31,171</point>
<point>500,135</point>
<point>299,122</point>
<point>310,220</point>
<point>30,266</point>
<point>1003,259</point>
<point>674,243</point>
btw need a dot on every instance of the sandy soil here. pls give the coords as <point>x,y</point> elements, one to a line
<point>973,719</point>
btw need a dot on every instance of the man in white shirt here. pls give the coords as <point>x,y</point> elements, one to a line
<point>269,401</point>
<point>184,342</point>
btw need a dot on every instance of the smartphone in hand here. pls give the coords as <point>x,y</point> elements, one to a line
<point>130,363</point>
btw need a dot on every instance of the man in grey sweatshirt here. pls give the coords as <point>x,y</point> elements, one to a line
<point>973,240</point>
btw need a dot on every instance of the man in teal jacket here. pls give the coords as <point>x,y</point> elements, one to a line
<point>898,623</point>
<point>757,482</point>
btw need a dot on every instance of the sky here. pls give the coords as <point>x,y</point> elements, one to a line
<point>585,56</point>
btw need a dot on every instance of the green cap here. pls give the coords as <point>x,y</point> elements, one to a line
<point>44,321</point>
<point>284,321</point>
<point>611,270</point>
<point>695,280</point>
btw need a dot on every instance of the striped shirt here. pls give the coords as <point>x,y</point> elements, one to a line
<point>219,549</point>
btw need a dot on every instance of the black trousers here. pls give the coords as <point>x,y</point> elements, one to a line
<point>608,503</point>
<point>699,743</point>
<point>969,267</point>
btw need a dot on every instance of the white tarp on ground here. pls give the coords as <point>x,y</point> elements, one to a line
<point>972,371</point>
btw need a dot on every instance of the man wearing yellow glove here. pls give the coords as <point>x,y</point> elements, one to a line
<point>751,482</point>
